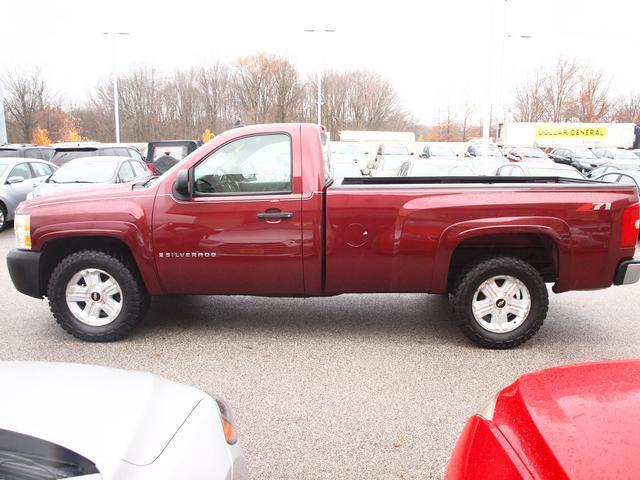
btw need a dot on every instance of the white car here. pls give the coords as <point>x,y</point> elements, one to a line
<point>62,420</point>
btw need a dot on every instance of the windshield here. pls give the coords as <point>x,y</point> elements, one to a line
<point>86,171</point>
<point>532,153</point>
<point>583,153</point>
<point>23,457</point>
<point>426,169</point>
<point>440,151</point>
<point>619,154</point>
<point>8,153</point>
<point>488,151</point>
<point>62,157</point>
<point>391,164</point>
<point>177,152</point>
<point>395,150</point>
<point>554,172</point>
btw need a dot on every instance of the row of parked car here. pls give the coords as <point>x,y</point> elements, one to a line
<point>31,171</point>
<point>579,162</point>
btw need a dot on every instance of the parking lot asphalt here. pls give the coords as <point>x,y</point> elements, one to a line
<point>353,387</point>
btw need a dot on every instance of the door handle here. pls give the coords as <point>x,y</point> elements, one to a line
<point>275,215</point>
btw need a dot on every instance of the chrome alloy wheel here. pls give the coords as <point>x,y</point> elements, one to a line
<point>94,297</point>
<point>501,303</point>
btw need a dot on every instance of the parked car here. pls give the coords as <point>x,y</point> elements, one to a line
<point>38,152</point>
<point>531,169</point>
<point>389,158</point>
<point>350,152</point>
<point>249,214</point>
<point>616,155</point>
<point>73,421</point>
<point>612,167</point>
<point>18,178</point>
<point>624,177</point>
<point>580,158</point>
<point>435,168</point>
<point>65,152</point>
<point>572,422</point>
<point>526,154</point>
<point>484,158</point>
<point>434,150</point>
<point>83,173</point>
<point>164,154</point>
<point>348,169</point>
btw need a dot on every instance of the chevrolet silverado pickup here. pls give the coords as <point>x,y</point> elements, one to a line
<point>256,211</point>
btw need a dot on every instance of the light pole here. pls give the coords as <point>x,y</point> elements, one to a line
<point>319,79</point>
<point>116,109</point>
<point>506,36</point>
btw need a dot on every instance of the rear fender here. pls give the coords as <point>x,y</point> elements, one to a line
<point>454,235</point>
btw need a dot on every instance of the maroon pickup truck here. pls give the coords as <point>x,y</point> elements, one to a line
<point>257,212</point>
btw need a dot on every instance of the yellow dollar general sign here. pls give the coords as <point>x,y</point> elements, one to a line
<point>571,131</point>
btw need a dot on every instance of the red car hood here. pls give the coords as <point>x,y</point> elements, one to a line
<point>577,422</point>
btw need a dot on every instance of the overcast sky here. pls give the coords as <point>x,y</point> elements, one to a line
<point>435,53</point>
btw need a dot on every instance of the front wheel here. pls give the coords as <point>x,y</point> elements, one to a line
<point>500,302</point>
<point>97,296</point>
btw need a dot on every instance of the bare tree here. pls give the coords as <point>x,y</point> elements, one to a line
<point>560,87</point>
<point>530,100</point>
<point>627,109</point>
<point>26,94</point>
<point>592,104</point>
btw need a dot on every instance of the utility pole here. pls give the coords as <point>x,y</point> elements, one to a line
<point>319,77</point>
<point>116,109</point>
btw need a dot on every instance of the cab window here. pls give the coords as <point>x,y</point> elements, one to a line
<point>251,165</point>
<point>41,169</point>
<point>20,170</point>
<point>126,173</point>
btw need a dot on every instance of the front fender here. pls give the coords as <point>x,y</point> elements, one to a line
<point>454,235</point>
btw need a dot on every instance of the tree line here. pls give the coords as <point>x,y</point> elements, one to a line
<point>265,88</point>
<point>187,103</point>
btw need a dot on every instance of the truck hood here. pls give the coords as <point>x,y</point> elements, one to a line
<point>49,193</point>
<point>105,414</point>
<point>579,421</point>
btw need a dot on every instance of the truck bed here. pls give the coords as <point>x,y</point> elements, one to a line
<point>402,234</point>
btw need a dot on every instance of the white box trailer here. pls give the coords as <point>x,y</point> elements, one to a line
<point>551,135</point>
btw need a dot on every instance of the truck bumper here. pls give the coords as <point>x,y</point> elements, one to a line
<point>628,272</point>
<point>24,269</point>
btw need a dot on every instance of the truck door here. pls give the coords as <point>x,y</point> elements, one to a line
<point>241,230</point>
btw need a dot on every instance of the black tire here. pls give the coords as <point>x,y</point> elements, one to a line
<point>135,299</point>
<point>461,298</point>
<point>3,217</point>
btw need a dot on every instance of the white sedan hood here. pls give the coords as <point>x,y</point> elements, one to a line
<point>106,415</point>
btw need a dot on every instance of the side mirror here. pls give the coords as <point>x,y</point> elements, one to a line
<point>181,186</point>
<point>15,180</point>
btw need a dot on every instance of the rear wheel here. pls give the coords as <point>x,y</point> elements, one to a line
<point>97,296</point>
<point>500,302</point>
